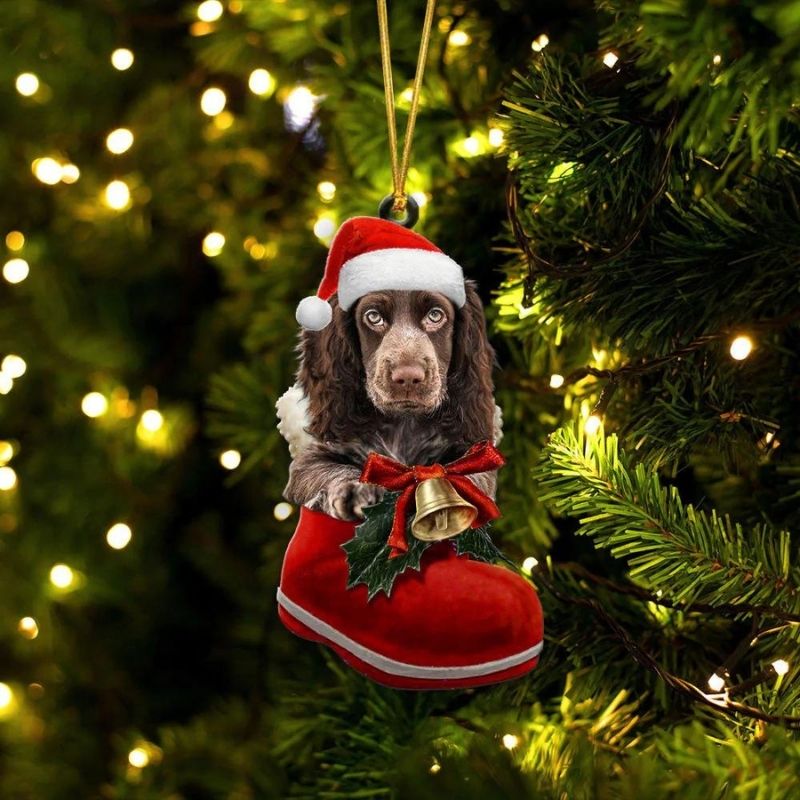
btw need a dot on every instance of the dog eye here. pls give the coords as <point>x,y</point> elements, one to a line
<point>436,315</point>
<point>373,317</point>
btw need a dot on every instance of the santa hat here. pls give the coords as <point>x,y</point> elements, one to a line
<point>370,254</point>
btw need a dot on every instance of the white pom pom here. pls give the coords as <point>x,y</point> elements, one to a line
<point>314,313</point>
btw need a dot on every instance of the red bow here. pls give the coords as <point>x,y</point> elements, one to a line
<point>395,476</point>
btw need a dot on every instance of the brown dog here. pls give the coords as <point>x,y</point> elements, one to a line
<point>403,373</point>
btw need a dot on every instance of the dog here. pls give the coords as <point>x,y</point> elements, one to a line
<point>402,373</point>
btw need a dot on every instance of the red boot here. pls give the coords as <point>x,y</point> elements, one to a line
<point>456,623</point>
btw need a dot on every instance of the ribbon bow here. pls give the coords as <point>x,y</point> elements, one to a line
<point>392,475</point>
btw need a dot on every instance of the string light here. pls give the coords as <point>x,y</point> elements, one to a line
<point>16,270</point>
<point>28,627</point>
<point>62,576</point>
<point>6,696</point>
<point>209,11</point>
<point>299,108</point>
<point>326,191</point>
<point>540,42</point>
<point>27,84</point>
<point>212,101</point>
<point>47,170</point>
<point>6,383</point>
<point>496,137</point>
<point>530,564</point>
<point>230,459</point>
<point>119,536</point>
<point>94,404</point>
<point>122,59</point>
<point>780,666</point>
<point>459,38</point>
<point>510,741</point>
<point>435,768</point>
<point>8,479</point>
<point>283,511</point>
<point>15,240</point>
<point>716,683</point>
<point>471,145</point>
<point>117,195</point>
<point>70,173</point>
<point>592,424</point>
<point>213,243</point>
<point>610,59</point>
<point>556,381</point>
<point>261,82</point>
<point>324,228</point>
<point>6,452</point>
<point>13,366</point>
<point>741,347</point>
<point>152,420</point>
<point>717,60</point>
<point>119,140</point>
<point>138,757</point>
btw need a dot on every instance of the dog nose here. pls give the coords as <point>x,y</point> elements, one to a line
<point>407,374</point>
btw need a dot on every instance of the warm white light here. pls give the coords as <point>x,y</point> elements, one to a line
<point>138,757</point>
<point>94,404</point>
<point>459,38</point>
<point>70,173</point>
<point>122,59</point>
<point>119,536</point>
<point>117,195</point>
<point>471,145</point>
<point>152,420</point>
<point>28,627</point>
<point>530,564</point>
<point>496,137</point>
<point>283,511</point>
<point>6,383</point>
<point>261,82</point>
<point>213,243</point>
<point>326,191</point>
<point>47,170</point>
<point>212,101</point>
<point>15,270</point>
<point>8,479</point>
<point>540,42</point>
<point>510,741</point>
<point>230,459</point>
<point>6,452</point>
<point>61,576</point>
<point>610,59</point>
<point>209,11</point>
<point>299,108</point>
<point>556,381</point>
<point>119,140</point>
<point>324,228</point>
<point>780,666</point>
<point>434,768</point>
<point>592,424</point>
<point>14,366</point>
<point>717,60</point>
<point>6,696</point>
<point>716,683</point>
<point>15,240</point>
<point>741,347</point>
<point>27,84</point>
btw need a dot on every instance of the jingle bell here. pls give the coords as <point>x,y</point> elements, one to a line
<point>441,511</point>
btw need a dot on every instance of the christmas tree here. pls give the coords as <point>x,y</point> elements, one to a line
<point>622,180</point>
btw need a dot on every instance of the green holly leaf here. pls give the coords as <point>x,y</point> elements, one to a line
<point>368,553</point>
<point>477,543</point>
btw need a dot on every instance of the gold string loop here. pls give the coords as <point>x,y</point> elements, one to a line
<point>400,165</point>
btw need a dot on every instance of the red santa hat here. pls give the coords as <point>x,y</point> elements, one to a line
<point>370,254</point>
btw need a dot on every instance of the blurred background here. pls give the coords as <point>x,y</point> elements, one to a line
<point>172,175</point>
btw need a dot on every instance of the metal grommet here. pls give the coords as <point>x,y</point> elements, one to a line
<point>411,212</point>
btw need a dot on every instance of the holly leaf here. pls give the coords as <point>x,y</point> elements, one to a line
<point>477,543</point>
<point>368,553</point>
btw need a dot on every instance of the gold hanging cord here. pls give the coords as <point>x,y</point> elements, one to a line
<point>400,167</point>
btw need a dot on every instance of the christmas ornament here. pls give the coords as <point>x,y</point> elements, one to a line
<point>411,595</point>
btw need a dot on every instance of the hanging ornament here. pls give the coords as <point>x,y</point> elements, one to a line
<point>391,564</point>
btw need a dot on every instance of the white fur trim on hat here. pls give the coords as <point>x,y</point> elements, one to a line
<point>314,313</point>
<point>401,268</point>
<point>293,419</point>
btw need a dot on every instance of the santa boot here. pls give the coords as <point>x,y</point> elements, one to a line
<point>456,623</point>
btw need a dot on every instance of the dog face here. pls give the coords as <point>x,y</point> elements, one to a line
<point>406,340</point>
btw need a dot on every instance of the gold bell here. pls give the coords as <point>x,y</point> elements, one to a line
<point>441,511</point>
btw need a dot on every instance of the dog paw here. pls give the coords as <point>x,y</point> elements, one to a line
<point>348,500</point>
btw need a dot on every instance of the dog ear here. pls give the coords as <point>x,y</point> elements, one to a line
<point>332,376</point>
<point>470,388</point>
